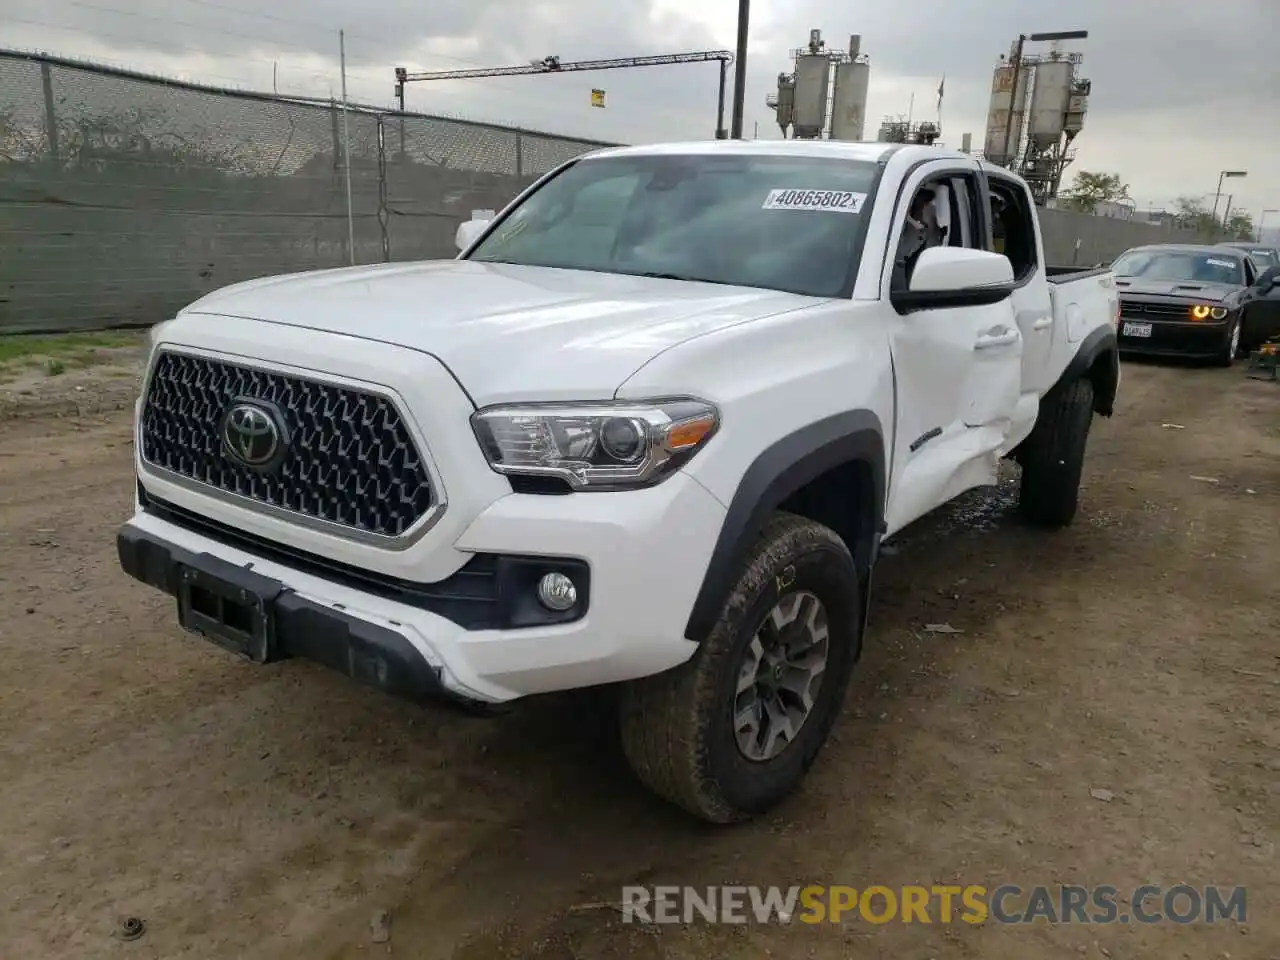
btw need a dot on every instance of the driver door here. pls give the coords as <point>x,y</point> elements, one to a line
<point>958,370</point>
<point>1261,315</point>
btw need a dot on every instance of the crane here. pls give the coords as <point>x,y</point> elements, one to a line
<point>554,64</point>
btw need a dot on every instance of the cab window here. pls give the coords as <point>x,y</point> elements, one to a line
<point>1013,227</point>
<point>939,214</point>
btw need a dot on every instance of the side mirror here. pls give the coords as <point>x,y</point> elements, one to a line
<point>470,230</point>
<point>955,277</point>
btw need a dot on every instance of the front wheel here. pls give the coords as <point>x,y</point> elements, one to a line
<point>732,732</point>
<point>1053,458</point>
<point>1231,347</point>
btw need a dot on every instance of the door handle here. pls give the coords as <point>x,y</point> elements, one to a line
<point>1044,323</point>
<point>1003,339</point>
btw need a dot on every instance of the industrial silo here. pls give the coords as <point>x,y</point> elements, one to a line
<point>1049,101</point>
<point>784,102</point>
<point>809,115</point>
<point>849,101</point>
<point>1006,115</point>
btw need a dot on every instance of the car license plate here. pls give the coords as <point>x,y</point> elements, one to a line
<point>1131,329</point>
<point>230,606</point>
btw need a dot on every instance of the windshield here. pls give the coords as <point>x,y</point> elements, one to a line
<point>1186,266</point>
<point>782,223</point>
<point>1263,258</point>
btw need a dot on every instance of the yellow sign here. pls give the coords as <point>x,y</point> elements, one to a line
<point>597,98</point>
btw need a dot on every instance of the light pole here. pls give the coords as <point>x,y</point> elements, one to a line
<point>1224,175</point>
<point>1262,218</point>
<point>740,69</point>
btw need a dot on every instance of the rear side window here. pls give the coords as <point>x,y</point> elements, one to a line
<point>1013,226</point>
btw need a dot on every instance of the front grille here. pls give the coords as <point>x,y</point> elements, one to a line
<point>1144,310</point>
<point>349,461</point>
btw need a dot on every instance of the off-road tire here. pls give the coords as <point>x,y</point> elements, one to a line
<point>1053,457</point>
<point>677,727</point>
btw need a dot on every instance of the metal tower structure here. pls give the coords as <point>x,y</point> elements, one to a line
<point>901,130</point>
<point>1038,106</point>
<point>553,64</point>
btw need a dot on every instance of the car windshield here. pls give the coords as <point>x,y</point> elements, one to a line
<point>777,222</point>
<point>1186,266</point>
<point>1263,258</point>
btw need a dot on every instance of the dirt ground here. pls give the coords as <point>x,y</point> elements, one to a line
<point>269,813</point>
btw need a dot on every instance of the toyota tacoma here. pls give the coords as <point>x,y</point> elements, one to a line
<point>647,431</point>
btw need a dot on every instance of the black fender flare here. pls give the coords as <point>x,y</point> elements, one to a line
<point>779,471</point>
<point>1101,344</point>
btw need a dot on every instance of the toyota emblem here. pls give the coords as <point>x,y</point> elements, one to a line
<point>253,434</point>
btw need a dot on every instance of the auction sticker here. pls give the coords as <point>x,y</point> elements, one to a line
<point>835,201</point>
<point>1220,263</point>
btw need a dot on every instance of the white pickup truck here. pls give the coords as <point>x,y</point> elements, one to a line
<point>648,429</point>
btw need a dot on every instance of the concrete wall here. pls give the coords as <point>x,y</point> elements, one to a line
<point>1101,239</point>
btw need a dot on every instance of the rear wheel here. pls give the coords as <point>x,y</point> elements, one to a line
<point>1053,458</point>
<point>733,731</point>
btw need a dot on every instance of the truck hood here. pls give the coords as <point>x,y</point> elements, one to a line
<point>506,332</point>
<point>1184,289</point>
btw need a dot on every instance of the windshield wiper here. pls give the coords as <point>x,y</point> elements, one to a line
<point>658,275</point>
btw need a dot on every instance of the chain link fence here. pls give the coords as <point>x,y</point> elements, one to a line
<point>124,197</point>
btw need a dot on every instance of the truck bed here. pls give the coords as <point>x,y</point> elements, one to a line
<point>1067,274</point>
<point>1081,297</point>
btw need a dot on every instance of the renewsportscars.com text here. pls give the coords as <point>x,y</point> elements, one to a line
<point>973,904</point>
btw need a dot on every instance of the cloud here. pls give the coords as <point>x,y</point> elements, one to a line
<point>1177,96</point>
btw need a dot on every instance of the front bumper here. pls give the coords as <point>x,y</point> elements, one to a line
<point>645,551</point>
<point>1175,339</point>
<point>290,625</point>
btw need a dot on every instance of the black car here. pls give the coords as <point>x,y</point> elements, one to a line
<point>1183,300</point>
<point>1264,256</point>
<point>1260,311</point>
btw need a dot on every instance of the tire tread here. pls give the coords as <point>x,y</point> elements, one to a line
<point>1054,459</point>
<point>665,718</point>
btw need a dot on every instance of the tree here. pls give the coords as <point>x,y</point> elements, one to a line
<point>1090,189</point>
<point>1192,214</point>
<point>1239,226</point>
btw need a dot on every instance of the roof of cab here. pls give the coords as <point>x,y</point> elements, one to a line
<point>872,151</point>
<point>1206,249</point>
<point>1246,245</point>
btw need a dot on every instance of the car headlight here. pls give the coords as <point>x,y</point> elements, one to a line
<point>606,446</point>
<point>1202,311</point>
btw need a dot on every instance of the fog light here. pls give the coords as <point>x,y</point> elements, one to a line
<point>557,592</point>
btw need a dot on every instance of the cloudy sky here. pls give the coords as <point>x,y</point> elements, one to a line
<point>1178,95</point>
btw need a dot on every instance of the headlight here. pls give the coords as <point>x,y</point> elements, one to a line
<point>607,446</point>
<point>1202,311</point>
